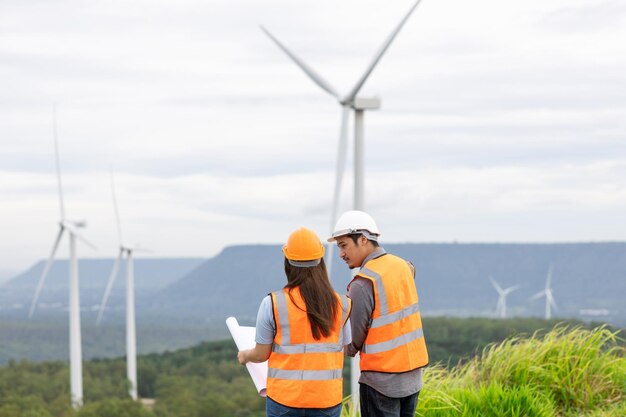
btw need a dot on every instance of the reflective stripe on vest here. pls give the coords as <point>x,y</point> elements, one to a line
<point>382,296</point>
<point>385,318</point>
<point>304,372</point>
<point>300,375</point>
<point>396,319</point>
<point>283,316</point>
<point>393,343</point>
<point>291,349</point>
<point>397,316</point>
<point>307,348</point>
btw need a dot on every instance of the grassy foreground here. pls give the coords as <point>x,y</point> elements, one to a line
<point>567,372</point>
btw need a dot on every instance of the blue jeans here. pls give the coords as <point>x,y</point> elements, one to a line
<point>375,404</point>
<point>273,409</point>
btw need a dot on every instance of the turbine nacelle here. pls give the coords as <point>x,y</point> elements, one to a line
<point>134,248</point>
<point>128,248</point>
<point>78,224</point>
<point>72,228</point>
<point>364,103</point>
<point>503,293</point>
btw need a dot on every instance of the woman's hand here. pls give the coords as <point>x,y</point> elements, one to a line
<point>260,353</point>
<point>242,356</point>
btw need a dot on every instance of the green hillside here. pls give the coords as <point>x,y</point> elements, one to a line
<point>571,371</point>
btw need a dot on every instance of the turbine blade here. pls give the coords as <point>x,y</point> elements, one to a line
<point>85,241</point>
<point>342,153</point>
<point>317,79</point>
<point>80,237</point>
<point>44,274</point>
<point>58,163</point>
<point>495,284</point>
<point>357,87</point>
<point>549,277</point>
<point>511,289</point>
<point>538,295</point>
<point>117,214</point>
<point>107,291</point>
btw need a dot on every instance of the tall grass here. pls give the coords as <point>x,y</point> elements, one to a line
<point>579,368</point>
<point>567,372</point>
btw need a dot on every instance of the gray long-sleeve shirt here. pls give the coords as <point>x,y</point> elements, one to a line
<point>395,385</point>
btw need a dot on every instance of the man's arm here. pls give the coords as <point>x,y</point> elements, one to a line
<point>362,294</point>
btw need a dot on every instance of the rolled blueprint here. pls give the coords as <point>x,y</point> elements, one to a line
<point>244,339</point>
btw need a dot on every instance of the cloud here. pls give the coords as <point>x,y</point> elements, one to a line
<point>499,120</point>
<point>585,18</point>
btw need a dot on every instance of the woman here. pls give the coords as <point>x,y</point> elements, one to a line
<point>302,329</point>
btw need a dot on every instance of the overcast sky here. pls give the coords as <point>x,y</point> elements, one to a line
<point>500,122</point>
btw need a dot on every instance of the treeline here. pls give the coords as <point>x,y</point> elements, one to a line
<point>205,380</point>
<point>46,340</point>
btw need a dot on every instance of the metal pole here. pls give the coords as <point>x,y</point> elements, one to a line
<point>355,372</point>
<point>131,343</point>
<point>359,152</point>
<point>359,204</point>
<point>76,364</point>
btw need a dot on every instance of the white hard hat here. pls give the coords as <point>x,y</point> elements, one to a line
<point>355,221</point>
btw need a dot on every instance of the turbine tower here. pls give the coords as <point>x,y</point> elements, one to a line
<point>348,103</point>
<point>501,306</point>
<point>131,335</point>
<point>76,366</point>
<point>547,292</point>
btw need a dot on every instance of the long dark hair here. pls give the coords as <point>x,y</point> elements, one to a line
<point>318,294</point>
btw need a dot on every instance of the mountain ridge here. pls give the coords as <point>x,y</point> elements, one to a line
<point>451,278</point>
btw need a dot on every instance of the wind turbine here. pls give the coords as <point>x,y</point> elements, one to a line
<point>348,102</point>
<point>501,306</point>
<point>76,366</point>
<point>547,292</point>
<point>131,335</point>
<point>359,104</point>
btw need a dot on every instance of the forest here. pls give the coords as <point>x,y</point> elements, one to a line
<point>206,380</point>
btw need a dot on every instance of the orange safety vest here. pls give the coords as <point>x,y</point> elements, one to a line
<point>394,341</point>
<point>304,372</point>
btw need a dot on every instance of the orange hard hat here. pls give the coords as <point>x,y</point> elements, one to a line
<point>303,245</point>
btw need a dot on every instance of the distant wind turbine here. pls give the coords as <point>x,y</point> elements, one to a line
<point>131,336</point>
<point>359,104</point>
<point>501,306</point>
<point>547,292</point>
<point>76,366</point>
<point>348,102</point>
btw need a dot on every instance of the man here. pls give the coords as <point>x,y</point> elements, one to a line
<point>386,322</point>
